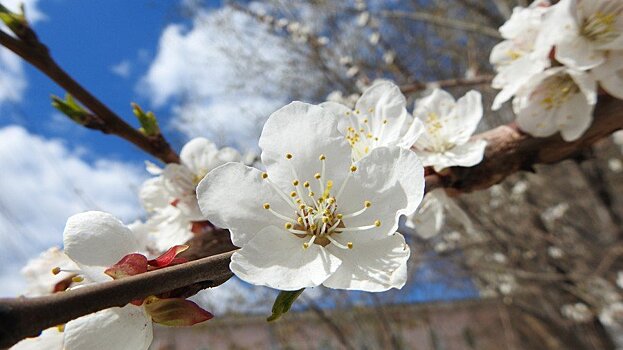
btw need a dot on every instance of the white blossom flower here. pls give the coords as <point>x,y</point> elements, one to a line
<point>380,118</point>
<point>38,274</point>
<point>448,127</point>
<point>171,198</point>
<point>515,59</point>
<point>431,215</point>
<point>583,31</point>
<point>612,314</point>
<point>315,217</point>
<point>610,74</point>
<point>558,99</point>
<point>96,241</point>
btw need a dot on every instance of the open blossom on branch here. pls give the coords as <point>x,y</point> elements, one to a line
<point>448,126</point>
<point>559,99</point>
<point>582,42</point>
<point>100,249</point>
<point>380,118</point>
<point>170,197</point>
<point>315,217</point>
<point>515,59</point>
<point>583,31</point>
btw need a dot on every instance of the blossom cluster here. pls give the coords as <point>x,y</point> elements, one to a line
<point>336,180</point>
<point>553,61</point>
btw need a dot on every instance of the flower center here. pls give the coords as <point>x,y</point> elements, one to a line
<point>555,91</point>
<point>363,135</point>
<point>434,126</point>
<point>316,216</point>
<point>600,26</point>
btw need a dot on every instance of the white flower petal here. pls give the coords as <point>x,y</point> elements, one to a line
<point>578,53</point>
<point>430,217</point>
<point>610,74</point>
<point>467,115</point>
<point>305,131</point>
<point>465,155</point>
<point>153,194</point>
<point>198,153</point>
<point>166,228</point>
<point>574,117</point>
<point>97,239</point>
<point>372,266</point>
<point>117,328</point>
<point>392,179</point>
<point>277,259</point>
<point>232,196</point>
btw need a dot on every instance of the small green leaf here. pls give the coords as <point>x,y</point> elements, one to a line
<point>15,21</point>
<point>148,121</point>
<point>70,108</point>
<point>283,303</point>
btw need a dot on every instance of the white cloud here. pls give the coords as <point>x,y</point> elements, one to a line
<point>12,78</point>
<point>200,71</point>
<point>42,183</point>
<point>122,69</point>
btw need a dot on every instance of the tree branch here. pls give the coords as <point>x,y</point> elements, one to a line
<point>106,121</point>
<point>510,150</point>
<point>27,317</point>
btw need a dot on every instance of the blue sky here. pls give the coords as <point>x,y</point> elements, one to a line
<point>88,38</point>
<point>122,51</point>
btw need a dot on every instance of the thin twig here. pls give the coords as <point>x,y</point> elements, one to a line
<point>107,121</point>
<point>27,317</point>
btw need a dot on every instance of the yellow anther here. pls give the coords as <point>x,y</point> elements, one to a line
<point>331,200</point>
<point>300,221</point>
<point>56,270</point>
<point>266,206</point>
<point>306,184</point>
<point>302,206</point>
<point>357,111</point>
<point>313,227</point>
<point>288,225</point>
<point>369,135</point>
<point>377,223</point>
<point>295,182</point>
<point>367,204</point>
<point>384,121</point>
<point>299,201</point>
<point>288,155</point>
<point>347,113</point>
<point>325,219</point>
<point>77,279</point>
<point>339,216</point>
<point>311,193</point>
<point>349,245</point>
<point>264,175</point>
<point>376,139</point>
<point>293,194</point>
<point>61,328</point>
<point>365,121</point>
<point>322,157</point>
<point>317,176</point>
<point>321,199</point>
<point>305,245</point>
<point>353,168</point>
<point>371,109</point>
